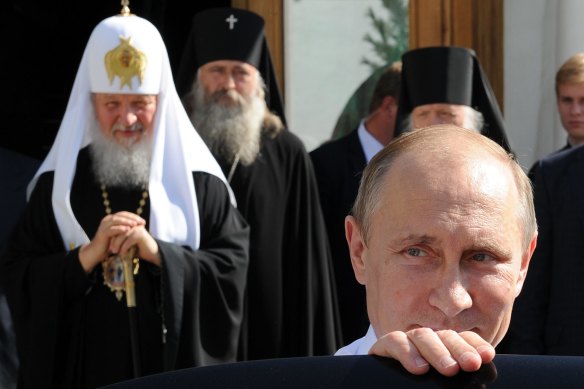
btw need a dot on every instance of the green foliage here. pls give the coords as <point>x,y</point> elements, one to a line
<point>390,39</point>
<point>389,42</point>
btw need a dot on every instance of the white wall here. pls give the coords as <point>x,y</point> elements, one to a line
<point>324,47</point>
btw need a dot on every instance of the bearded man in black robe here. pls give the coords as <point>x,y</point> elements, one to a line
<point>127,172</point>
<point>229,87</point>
<point>447,85</point>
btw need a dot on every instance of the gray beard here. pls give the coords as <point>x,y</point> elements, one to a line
<point>229,131</point>
<point>115,165</point>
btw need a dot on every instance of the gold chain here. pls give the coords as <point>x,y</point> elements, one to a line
<point>139,211</point>
<point>106,202</point>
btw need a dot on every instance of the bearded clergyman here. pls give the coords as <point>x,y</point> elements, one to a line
<point>128,183</point>
<point>227,82</point>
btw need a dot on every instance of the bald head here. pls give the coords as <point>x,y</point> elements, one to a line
<point>429,155</point>
<point>442,233</point>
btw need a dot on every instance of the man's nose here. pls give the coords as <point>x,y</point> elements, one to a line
<point>229,82</point>
<point>450,295</point>
<point>128,117</point>
<point>576,108</point>
<point>436,119</point>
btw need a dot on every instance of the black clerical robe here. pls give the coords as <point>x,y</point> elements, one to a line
<point>290,304</point>
<point>72,332</point>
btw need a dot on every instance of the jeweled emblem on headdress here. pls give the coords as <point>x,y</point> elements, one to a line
<point>126,62</point>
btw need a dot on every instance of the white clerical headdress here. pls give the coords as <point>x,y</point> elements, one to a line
<point>126,54</point>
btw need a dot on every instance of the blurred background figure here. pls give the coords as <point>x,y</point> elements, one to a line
<point>446,85</point>
<point>570,103</point>
<point>16,172</point>
<point>226,77</point>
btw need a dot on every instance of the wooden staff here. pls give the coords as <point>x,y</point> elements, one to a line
<point>127,260</point>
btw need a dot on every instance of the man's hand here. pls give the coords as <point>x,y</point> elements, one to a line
<point>446,350</point>
<point>139,237</point>
<point>111,226</point>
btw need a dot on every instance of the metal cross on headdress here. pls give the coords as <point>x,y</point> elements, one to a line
<point>231,20</point>
<point>125,7</point>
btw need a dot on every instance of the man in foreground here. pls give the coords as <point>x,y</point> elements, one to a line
<point>442,252</point>
<point>127,178</point>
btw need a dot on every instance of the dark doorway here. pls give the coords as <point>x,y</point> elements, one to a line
<point>42,45</point>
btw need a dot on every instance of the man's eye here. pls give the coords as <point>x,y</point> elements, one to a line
<point>416,252</point>
<point>481,257</point>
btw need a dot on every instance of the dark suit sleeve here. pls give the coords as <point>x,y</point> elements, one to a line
<point>528,322</point>
<point>532,171</point>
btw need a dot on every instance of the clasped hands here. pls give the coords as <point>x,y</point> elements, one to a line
<point>116,234</point>
<point>447,351</point>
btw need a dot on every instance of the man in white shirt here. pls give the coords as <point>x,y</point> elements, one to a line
<point>441,236</point>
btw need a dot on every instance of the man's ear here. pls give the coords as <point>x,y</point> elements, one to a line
<point>357,248</point>
<point>389,104</point>
<point>525,264</point>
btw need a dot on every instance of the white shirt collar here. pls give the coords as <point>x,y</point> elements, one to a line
<point>370,145</point>
<point>360,346</point>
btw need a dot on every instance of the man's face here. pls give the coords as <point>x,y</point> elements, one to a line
<point>445,249</point>
<point>223,78</point>
<point>430,114</point>
<point>125,118</point>
<point>570,101</point>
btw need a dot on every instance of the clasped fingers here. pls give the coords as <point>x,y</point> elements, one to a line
<point>449,351</point>
<point>398,346</point>
<point>446,350</point>
<point>116,224</point>
<point>137,236</point>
